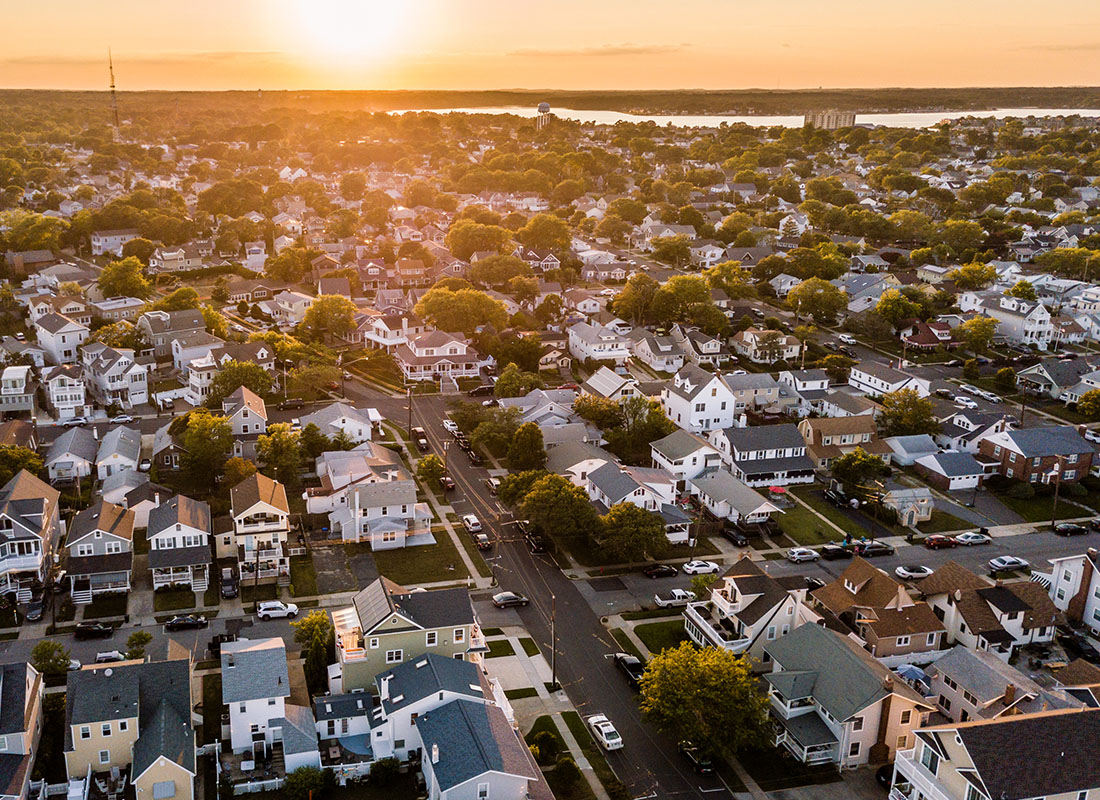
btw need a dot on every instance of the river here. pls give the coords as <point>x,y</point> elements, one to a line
<point>915,119</point>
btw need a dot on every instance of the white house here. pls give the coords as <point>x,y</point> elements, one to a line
<point>597,343</point>
<point>357,424</point>
<point>179,543</point>
<point>1075,587</point>
<point>261,528</point>
<point>65,393</point>
<point>114,376</point>
<point>764,455</point>
<point>657,352</point>
<point>435,354</point>
<point>60,337</point>
<point>30,518</point>
<point>71,456</point>
<point>730,499</point>
<point>879,379</point>
<point>111,242</point>
<point>684,455</point>
<point>385,514</point>
<point>697,400</point>
<point>119,451</point>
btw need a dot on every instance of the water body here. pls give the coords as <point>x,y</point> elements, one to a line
<point>916,119</point>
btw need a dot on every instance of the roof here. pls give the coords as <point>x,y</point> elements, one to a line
<point>13,696</point>
<point>721,485</point>
<point>254,670</point>
<point>245,397</point>
<point>681,443</point>
<point>103,516</point>
<point>465,739</point>
<point>1057,440</point>
<point>949,577</point>
<point>341,706</point>
<point>126,442</point>
<point>752,581</point>
<point>561,457</point>
<point>874,588</point>
<point>79,442</point>
<point>298,728</point>
<point>415,680</point>
<point>610,479</point>
<point>952,465</point>
<point>55,323</point>
<point>908,621</point>
<point>325,417</point>
<point>179,510</point>
<point>987,677</point>
<point>386,493</point>
<point>258,488</point>
<point>764,437</point>
<point>1078,673</point>
<point>438,608</point>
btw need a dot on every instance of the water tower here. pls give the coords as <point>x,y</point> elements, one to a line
<point>543,119</point>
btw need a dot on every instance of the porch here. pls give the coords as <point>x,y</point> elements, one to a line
<point>269,565</point>
<point>196,577</point>
<point>84,588</point>
<point>712,630</point>
<point>807,737</point>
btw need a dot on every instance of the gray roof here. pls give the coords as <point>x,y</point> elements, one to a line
<point>299,730</point>
<point>180,556</point>
<point>13,697</point>
<point>324,417</point>
<point>764,437</point>
<point>695,376</point>
<point>562,456</point>
<point>986,677</point>
<point>681,443</point>
<point>79,442</point>
<point>437,608</point>
<point>1058,440</point>
<point>471,739</point>
<point>388,493</point>
<point>412,681</point>
<point>343,706</point>
<point>720,484</point>
<point>182,510</point>
<point>750,380</point>
<point>955,465</point>
<point>920,443</point>
<point>253,670</point>
<point>612,481</point>
<point>848,679</point>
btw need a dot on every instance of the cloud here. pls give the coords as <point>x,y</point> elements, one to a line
<point>603,51</point>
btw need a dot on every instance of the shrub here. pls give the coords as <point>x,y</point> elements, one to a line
<point>567,771</point>
<point>383,772</point>
<point>1074,490</point>
<point>1091,483</point>
<point>545,743</point>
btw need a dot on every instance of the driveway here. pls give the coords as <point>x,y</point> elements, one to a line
<point>858,785</point>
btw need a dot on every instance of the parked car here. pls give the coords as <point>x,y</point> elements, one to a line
<point>228,584</point>
<point>185,622</point>
<point>93,630</point>
<point>700,761</point>
<point>1007,563</point>
<point>872,549</point>
<point>660,571</point>
<point>1092,434</point>
<point>838,498</point>
<point>145,465</point>
<point>631,666</point>
<point>604,732</point>
<point>291,403</point>
<point>965,402</point>
<point>938,542</point>
<point>109,657</point>
<point>834,552</point>
<point>845,350</point>
<point>1094,524</point>
<point>446,483</point>
<point>59,581</point>
<point>847,338</point>
<point>966,387</point>
<point>121,419</point>
<point>493,485</point>
<point>481,391</point>
<point>421,439</point>
<point>700,567</point>
<point>482,541</point>
<point>972,538</point>
<point>1070,529</point>
<point>34,610</point>
<point>677,597</point>
<point>736,537</point>
<point>471,523</point>
<point>1076,645</point>
<point>76,422</point>
<point>912,572</point>
<point>276,608</point>
<point>475,457</point>
<point>796,555</point>
<point>509,599</point>
<point>535,543</point>
<point>945,393</point>
<point>449,425</point>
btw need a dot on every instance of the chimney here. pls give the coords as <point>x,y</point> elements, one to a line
<point>888,683</point>
<point>743,421</point>
<point>435,754</point>
<point>156,499</point>
<point>1091,553</point>
<point>1010,694</point>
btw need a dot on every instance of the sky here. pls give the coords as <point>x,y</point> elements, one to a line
<point>548,44</point>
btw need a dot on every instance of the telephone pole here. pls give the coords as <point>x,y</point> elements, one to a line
<point>114,97</point>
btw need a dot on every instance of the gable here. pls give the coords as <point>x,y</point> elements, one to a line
<point>394,623</point>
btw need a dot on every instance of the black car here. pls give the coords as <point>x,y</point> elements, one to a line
<point>93,630</point>
<point>464,444</point>
<point>660,571</point>
<point>1070,529</point>
<point>736,537</point>
<point>186,622</point>
<point>834,552</point>
<point>475,457</point>
<point>846,350</point>
<point>700,761</point>
<point>631,666</point>
<point>293,402</point>
<point>481,391</point>
<point>228,584</point>
<point>872,549</point>
<point>837,497</point>
<point>421,439</point>
<point>34,610</point>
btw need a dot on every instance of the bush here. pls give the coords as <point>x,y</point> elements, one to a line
<point>1074,490</point>
<point>1021,491</point>
<point>307,783</point>
<point>545,745</point>
<point>567,771</point>
<point>383,772</point>
<point>1091,483</point>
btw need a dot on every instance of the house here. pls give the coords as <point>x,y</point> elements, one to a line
<point>20,728</point>
<point>65,391</point>
<point>907,449</point>
<point>806,389</point>
<point>1022,322</point>
<point>1053,377</point>
<point>582,301</point>
<point>1039,455</point>
<point>60,338</point>
<point>597,343</point>
<point>575,459</point>
<point>783,283</point>
<point>134,716</point>
<point>684,455</point>
<point>878,379</point>
<point>764,455</point>
<point>964,430</point>
<point>697,400</point>
<point>167,449</point>
<point>111,242</point>
<point>100,545</point>
<point>845,404</point>
<point>766,347</point>
<point>186,349</point>
<point>752,391</point>
<point>175,259</point>
<point>255,256</point>
<point>18,390</point>
<point>927,335</point>
<point>950,471</point>
<point>115,376</point>
<point>340,470</point>
<point>259,532</point>
<point>1043,755</point>
<point>705,253</point>
<point>538,259</point>
<point>1074,586</point>
<point>748,609</point>
<point>729,499</point>
<point>179,543</point>
<point>390,330</point>
<point>120,450</point>
<point>435,354</point>
<point>828,438</point>
<point>700,348</point>
<point>834,703</point>
<point>247,415</point>
<point>161,327</point>
<point>118,308</point>
<point>660,353</point>
<point>73,308</point>
<point>355,424</point>
<point>289,307</point>
<point>387,625</point>
<point>255,689</point>
<point>385,514</point>
<point>71,456</point>
<point>30,517</point>
<point>134,491</point>
<point>608,385</point>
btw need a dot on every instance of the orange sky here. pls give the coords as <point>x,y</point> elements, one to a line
<point>539,44</point>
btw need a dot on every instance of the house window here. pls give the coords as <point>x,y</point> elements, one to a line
<point>974,794</point>
<point>163,790</point>
<point>903,641</point>
<point>430,638</point>
<point>929,759</point>
<point>903,742</point>
<point>393,656</point>
<point>771,632</point>
<point>123,725</point>
<point>945,704</point>
<point>482,791</point>
<point>374,643</point>
<point>271,701</point>
<point>106,729</point>
<point>857,724</point>
<point>242,708</point>
<point>460,635</point>
<point>853,750</point>
<point>906,716</point>
<point>104,756</point>
<point>85,732</point>
<point>930,640</point>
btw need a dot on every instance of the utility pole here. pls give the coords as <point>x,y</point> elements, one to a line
<point>114,97</point>
<point>256,579</point>
<point>409,397</point>
<point>553,642</point>
<point>1057,486</point>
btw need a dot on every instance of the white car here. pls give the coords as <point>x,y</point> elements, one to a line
<point>1005,563</point>
<point>700,567</point>
<point>966,387</point>
<point>972,538</point>
<point>796,555</point>
<point>912,572</point>
<point>450,425</point>
<point>847,338</point>
<point>677,597</point>
<point>109,657</point>
<point>1092,434</point>
<point>604,732</point>
<point>471,523</point>
<point>121,419</point>
<point>965,402</point>
<point>607,293</point>
<point>737,372</point>
<point>275,608</point>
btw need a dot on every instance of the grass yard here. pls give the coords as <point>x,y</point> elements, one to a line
<point>660,635</point>
<point>827,510</point>
<point>303,577</point>
<point>624,642</point>
<point>519,694</point>
<point>106,605</point>
<point>593,753</point>
<point>1039,509</point>
<point>174,599</point>
<point>141,542</point>
<point>265,591</point>
<point>563,788</point>
<point>492,632</point>
<point>471,550</point>
<point>425,564</point>
<point>776,769</point>
<point>589,554</point>
<point>942,522</point>
<point>804,527</point>
<point>499,648</point>
<point>648,613</point>
<point>212,596</point>
<point>529,646</point>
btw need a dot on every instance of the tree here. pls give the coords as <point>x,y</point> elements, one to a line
<point>1088,404</point>
<point>837,367</point>
<point>124,278</point>
<point>14,458</point>
<point>313,441</point>
<point>559,508</point>
<point>1023,290</point>
<point>352,185</point>
<point>732,278</point>
<point>856,470</point>
<point>633,301</point>
<point>316,666</point>
<point>330,317</point>
<point>972,370</point>
<point>237,470</point>
<point>894,307</point>
<point>973,276</point>
<point>122,334</point>
<point>869,325</point>
<point>305,783</point>
<point>527,451</point>
<point>545,232</point>
<point>234,375</point>
<point>706,695</point>
<point>466,237</point>
<point>701,585</point>
<point>515,486</point>
<point>206,441</point>
<point>70,289</point>
<point>628,209</point>
<point>514,382</point>
<point>182,299</point>
<point>906,413</point>
<point>677,295</point>
<point>602,412</point>
<point>216,324</point>
<point>644,421</point>
<point>496,431</point>
<point>430,469</point>
<point>961,235</point>
<point>631,533</point>
<point>140,248</point>
<point>1005,379</point>
<point>280,451</point>
<point>817,298</point>
<point>614,229</point>
<point>462,311</point>
<point>497,270</point>
<point>50,657</point>
<point>136,644</point>
<point>977,333</point>
<point>674,250</point>
<point>313,625</point>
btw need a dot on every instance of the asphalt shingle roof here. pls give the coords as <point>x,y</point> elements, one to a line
<point>253,670</point>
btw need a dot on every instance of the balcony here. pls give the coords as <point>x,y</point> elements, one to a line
<point>705,632</point>
<point>16,563</point>
<point>913,775</point>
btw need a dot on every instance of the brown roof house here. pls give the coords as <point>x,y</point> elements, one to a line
<point>828,438</point>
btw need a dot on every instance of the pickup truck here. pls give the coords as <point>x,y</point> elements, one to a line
<point>677,597</point>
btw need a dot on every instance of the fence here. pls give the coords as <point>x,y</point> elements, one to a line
<point>251,787</point>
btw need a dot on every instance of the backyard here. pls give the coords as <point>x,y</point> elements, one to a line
<point>657,636</point>
<point>430,563</point>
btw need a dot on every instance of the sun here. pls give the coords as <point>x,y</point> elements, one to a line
<point>348,32</point>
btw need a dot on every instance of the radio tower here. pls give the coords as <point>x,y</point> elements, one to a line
<point>114,97</point>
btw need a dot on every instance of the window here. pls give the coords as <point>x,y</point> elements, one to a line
<point>903,641</point>
<point>106,729</point>
<point>929,759</point>
<point>906,716</point>
<point>393,656</point>
<point>242,708</point>
<point>857,724</point>
<point>271,701</point>
<point>3,743</point>
<point>430,638</point>
<point>85,732</point>
<point>903,742</point>
<point>374,643</point>
<point>482,791</point>
<point>123,725</point>
<point>853,750</point>
<point>104,756</point>
<point>460,635</point>
<point>972,793</point>
<point>771,632</point>
<point>930,640</point>
<point>163,790</point>
<point>945,704</point>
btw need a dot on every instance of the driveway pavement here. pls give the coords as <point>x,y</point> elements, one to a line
<point>334,574</point>
<point>858,785</point>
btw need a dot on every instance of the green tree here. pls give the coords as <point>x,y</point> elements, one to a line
<point>329,318</point>
<point>280,452</point>
<point>1024,290</point>
<point>628,209</point>
<point>630,533</point>
<point>1089,404</point>
<point>136,644</point>
<point>644,421</point>
<point>857,469</point>
<point>559,509</point>
<point>545,232</point>
<point>216,324</point>
<point>237,470</point>
<point>837,367</point>
<point>497,429</point>
<point>972,370</point>
<point>50,657</point>
<point>634,300</point>
<point>14,458</point>
<point>706,695</point>
<point>206,441</point>
<point>906,413</point>
<point>514,487</point>
<point>732,278</point>
<point>466,237</point>
<point>527,451</point>
<point>139,248</point>
<point>894,307</point>
<point>973,276</point>
<point>961,235</point>
<point>182,299</point>
<point>124,278</point>
<point>614,229</point>
<point>600,411</point>
<point>514,382</point>
<point>308,783</point>
<point>677,296</point>
<point>429,470</point>
<point>977,333</point>
<point>462,311</point>
<point>817,298</point>
<point>1005,379</point>
<point>674,250</point>
<point>122,334</point>
<point>313,441</point>
<point>497,270</point>
<point>235,374</point>
<point>313,625</point>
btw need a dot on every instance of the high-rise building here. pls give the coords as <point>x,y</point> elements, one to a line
<point>830,120</point>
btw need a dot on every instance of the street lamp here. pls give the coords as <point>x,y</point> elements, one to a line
<point>553,643</point>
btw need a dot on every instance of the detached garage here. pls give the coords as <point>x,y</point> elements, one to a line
<point>951,471</point>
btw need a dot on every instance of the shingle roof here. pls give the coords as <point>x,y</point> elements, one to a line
<point>437,608</point>
<point>255,489</point>
<point>874,588</point>
<point>253,670</point>
<point>681,443</point>
<point>414,680</point>
<point>1057,440</point>
<point>180,509</point>
<point>79,442</point>
<point>102,516</point>
<point>764,437</point>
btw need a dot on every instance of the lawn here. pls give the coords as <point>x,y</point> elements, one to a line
<point>499,648</point>
<point>593,753</point>
<point>649,613</point>
<point>659,635</point>
<point>942,521</point>
<point>212,596</point>
<point>562,789</point>
<point>472,551</point>
<point>106,605</point>
<point>589,554</point>
<point>141,542</point>
<point>625,642</point>
<point>175,599</point>
<point>776,769</point>
<point>1039,509</point>
<point>265,591</point>
<point>426,564</point>
<point>529,646</point>
<point>803,526</point>
<point>813,498</point>
<point>303,577</point>
<point>519,694</point>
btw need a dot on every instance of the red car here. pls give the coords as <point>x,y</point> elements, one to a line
<point>939,542</point>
